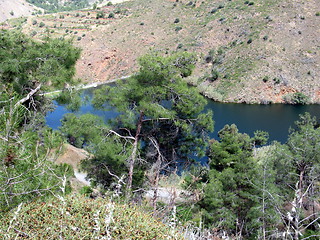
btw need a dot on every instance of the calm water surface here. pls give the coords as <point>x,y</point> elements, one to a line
<point>275,119</point>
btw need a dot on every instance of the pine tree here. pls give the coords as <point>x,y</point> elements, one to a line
<point>159,111</point>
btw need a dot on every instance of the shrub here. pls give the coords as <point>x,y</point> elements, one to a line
<point>34,22</point>
<point>177,29</point>
<point>180,45</point>
<point>78,217</point>
<point>41,24</point>
<point>176,20</point>
<point>214,10</point>
<point>79,38</point>
<point>77,15</point>
<point>297,98</point>
<point>214,75</point>
<point>249,41</point>
<point>111,15</point>
<point>265,79</point>
<point>208,58</point>
<point>265,38</point>
<point>276,80</point>
<point>11,13</point>
<point>109,4</point>
<point>251,3</point>
<point>317,14</point>
<point>33,33</point>
<point>220,7</point>
<point>100,14</point>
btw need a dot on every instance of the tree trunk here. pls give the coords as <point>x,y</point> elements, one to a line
<point>133,157</point>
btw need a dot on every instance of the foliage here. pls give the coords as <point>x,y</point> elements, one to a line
<point>297,98</point>
<point>25,170</point>
<point>25,63</point>
<point>229,196</point>
<point>58,6</point>
<point>77,217</point>
<point>289,181</point>
<point>159,110</point>
<point>100,14</point>
<point>26,145</point>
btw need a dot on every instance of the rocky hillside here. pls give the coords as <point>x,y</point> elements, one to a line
<point>256,51</point>
<point>15,8</point>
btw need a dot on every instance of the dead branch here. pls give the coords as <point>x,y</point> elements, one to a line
<point>29,95</point>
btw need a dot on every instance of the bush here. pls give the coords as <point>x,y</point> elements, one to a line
<point>100,14</point>
<point>78,217</point>
<point>79,38</point>
<point>249,41</point>
<point>111,15</point>
<point>265,79</point>
<point>214,75</point>
<point>34,22</point>
<point>276,80</point>
<point>41,24</point>
<point>317,14</point>
<point>11,13</point>
<point>177,29</point>
<point>33,33</point>
<point>214,10</point>
<point>297,98</point>
<point>265,38</point>
<point>177,20</point>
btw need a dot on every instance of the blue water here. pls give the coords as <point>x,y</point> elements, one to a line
<point>275,119</point>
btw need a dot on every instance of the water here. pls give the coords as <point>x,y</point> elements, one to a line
<point>275,119</point>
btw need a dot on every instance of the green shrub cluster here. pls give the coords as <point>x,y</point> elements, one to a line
<point>78,217</point>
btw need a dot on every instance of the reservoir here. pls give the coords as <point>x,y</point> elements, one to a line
<point>276,119</point>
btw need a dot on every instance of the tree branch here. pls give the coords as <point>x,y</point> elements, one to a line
<point>29,95</point>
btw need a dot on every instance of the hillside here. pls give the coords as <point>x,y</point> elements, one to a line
<point>15,8</point>
<point>255,52</point>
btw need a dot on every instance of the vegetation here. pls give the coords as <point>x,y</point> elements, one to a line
<point>58,6</point>
<point>246,190</point>
<point>77,217</point>
<point>26,144</point>
<point>161,118</point>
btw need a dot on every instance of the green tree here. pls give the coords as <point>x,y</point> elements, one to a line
<point>298,175</point>
<point>26,145</point>
<point>229,197</point>
<point>160,113</point>
<point>109,152</point>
